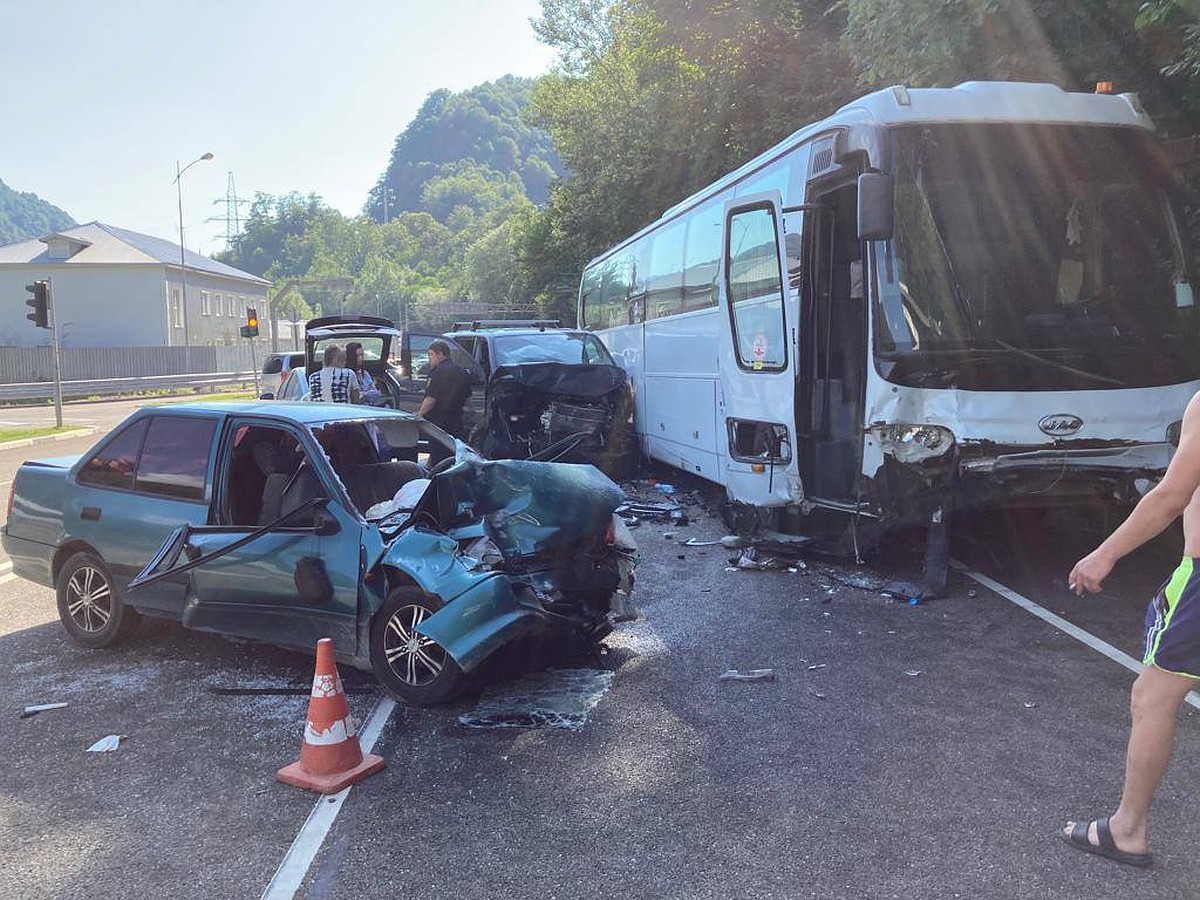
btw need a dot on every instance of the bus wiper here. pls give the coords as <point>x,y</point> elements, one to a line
<point>1055,364</point>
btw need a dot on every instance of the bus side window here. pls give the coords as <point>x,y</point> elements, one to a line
<point>702,257</point>
<point>665,281</point>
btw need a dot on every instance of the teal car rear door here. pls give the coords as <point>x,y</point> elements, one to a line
<point>151,476</point>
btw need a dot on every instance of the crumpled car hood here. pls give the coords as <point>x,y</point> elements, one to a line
<point>561,378</point>
<point>527,506</point>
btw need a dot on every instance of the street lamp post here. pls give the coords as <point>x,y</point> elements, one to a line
<point>187,343</point>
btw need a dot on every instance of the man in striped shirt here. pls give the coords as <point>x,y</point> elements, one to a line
<point>333,382</point>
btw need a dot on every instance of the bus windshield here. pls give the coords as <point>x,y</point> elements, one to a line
<point>1033,257</point>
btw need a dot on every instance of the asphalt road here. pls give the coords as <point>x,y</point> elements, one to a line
<point>902,751</point>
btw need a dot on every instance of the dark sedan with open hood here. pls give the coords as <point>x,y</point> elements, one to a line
<point>549,386</point>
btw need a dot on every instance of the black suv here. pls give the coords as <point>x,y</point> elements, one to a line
<point>548,385</point>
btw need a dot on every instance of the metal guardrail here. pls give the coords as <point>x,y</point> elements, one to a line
<point>39,390</point>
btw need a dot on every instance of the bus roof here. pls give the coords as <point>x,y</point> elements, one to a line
<point>971,101</point>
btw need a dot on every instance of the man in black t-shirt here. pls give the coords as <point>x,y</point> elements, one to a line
<point>448,389</point>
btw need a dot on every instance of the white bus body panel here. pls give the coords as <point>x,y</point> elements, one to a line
<point>680,400</point>
<point>1134,421</point>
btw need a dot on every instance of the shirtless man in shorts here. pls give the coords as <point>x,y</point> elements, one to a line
<point>1172,655</point>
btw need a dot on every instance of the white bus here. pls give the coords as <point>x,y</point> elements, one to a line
<point>934,299</point>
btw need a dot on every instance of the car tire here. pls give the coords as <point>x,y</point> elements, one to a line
<point>621,455</point>
<point>410,667</point>
<point>89,604</point>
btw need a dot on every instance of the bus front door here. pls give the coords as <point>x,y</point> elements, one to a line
<point>832,349</point>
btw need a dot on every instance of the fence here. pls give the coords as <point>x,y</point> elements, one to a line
<point>21,365</point>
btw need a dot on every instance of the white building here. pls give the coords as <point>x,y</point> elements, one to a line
<point>117,288</point>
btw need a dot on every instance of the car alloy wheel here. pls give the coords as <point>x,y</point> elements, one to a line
<point>89,605</point>
<point>89,599</point>
<point>409,665</point>
<point>416,659</point>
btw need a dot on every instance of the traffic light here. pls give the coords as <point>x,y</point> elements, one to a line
<point>250,329</point>
<point>39,304</point>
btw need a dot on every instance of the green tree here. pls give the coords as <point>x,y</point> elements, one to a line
<point>484,128</point>
<point>653,99</point>
<point>1074,45</point>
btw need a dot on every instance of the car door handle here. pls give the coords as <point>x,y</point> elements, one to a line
<point>91,513</point>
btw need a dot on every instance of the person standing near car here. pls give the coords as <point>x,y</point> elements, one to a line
<point>447,392</point>
<point>354,362</point>
<point>333,382</point>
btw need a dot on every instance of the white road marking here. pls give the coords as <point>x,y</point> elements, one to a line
<point>290,874</point>
<point>1085,637</point>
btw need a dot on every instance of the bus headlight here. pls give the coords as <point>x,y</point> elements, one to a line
<point>913,443</point>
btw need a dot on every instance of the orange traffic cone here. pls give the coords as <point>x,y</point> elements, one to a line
<point>330,757</point>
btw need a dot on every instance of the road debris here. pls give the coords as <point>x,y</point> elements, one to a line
<point>106,744</point>
<point>653,512</point>
<point>755,559</point>
<point>818,695</point>
<point>30,711</point>
<point>750,675</point>
<point>913,672</point>
<point>901,590</point>
<point>816,666</point>
<point>692,542</point>
<point>621,608</point>
<point>558,698</point>
<point>1029,705</point>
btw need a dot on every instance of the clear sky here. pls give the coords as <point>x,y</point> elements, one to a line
<point>100,100</point>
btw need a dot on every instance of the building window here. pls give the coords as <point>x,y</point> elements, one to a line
<point>176,314</point>
<point>232,308</point>
<point>205,306</point>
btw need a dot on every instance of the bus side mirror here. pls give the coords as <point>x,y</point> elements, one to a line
<point>875,206</point>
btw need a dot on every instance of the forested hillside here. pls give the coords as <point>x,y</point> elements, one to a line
<point>471,148</point>
<point>24,215</point>
<point>652,99</point>
<point>464,176</point>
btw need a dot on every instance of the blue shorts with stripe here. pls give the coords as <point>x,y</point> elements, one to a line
<point>1173,623</point>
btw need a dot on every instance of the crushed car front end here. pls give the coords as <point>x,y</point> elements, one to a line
<point>512,548</point>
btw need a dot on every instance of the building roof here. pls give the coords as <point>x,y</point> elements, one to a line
<point>106,244</point>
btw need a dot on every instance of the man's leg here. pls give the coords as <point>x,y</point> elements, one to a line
<point>1154,703</point>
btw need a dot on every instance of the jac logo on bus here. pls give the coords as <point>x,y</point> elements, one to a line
<point>1060,424</point>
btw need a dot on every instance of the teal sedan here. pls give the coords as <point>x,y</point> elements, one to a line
<point>289,522</point>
